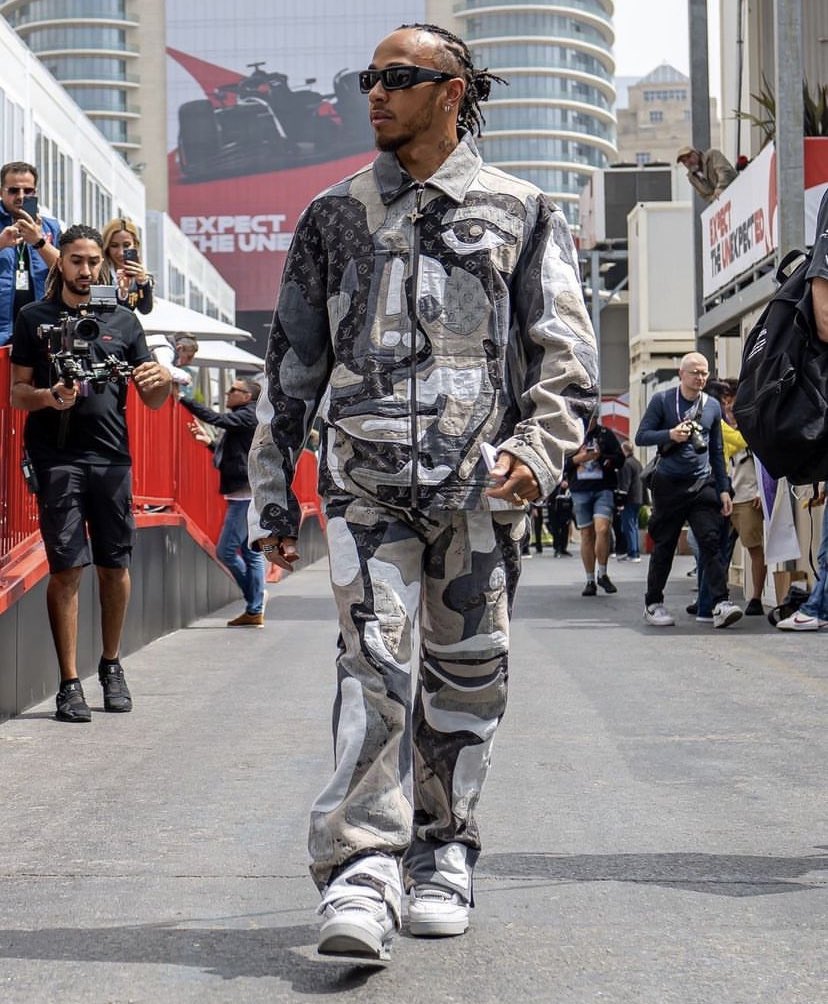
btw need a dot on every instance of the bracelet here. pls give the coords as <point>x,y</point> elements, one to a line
<point>39,244</point>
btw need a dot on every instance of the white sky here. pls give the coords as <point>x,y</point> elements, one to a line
<point>650,32</point>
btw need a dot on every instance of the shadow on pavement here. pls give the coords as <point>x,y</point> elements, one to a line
<point>226,953</point>
<point>716,874</point>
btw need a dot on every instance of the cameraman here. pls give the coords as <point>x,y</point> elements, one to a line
<point>690,484</point>
<point>76,438</point>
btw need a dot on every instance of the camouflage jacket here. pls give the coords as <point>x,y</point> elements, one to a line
<point>421,320</point>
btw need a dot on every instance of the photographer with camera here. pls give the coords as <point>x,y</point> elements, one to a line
<point>27,243</point>
<point>72,357</point>
<point>689,484</point>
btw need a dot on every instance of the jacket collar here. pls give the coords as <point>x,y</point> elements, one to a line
<point>453,177</point>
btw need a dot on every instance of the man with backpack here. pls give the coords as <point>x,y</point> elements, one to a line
<point>818,271</point>
<point>813,614</point>
<point>689,484</point>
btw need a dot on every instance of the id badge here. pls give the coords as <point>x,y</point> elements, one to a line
<point>21,280</point>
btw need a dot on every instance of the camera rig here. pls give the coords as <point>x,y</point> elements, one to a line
<point>70,352</point>
<point>70,349</point>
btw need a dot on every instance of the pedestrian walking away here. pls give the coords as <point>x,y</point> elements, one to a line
<point>631,497</point>
<point>430,307</point>
<point>78,449</point>
<point>689,484</point>
<point>237,425</point>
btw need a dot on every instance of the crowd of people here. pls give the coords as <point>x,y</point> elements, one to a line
<point>73,387</point>
<point>459,414</point>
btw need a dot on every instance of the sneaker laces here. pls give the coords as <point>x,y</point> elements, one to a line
<point>435,894</point>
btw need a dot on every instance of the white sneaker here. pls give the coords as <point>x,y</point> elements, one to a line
<point>725,613</point>
<point>658,615</point>
<point>360,925</point>
<point>434,912</point>
<point>801,622</point>
<point>636,560</point>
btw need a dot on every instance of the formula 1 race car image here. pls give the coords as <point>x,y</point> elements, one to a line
<point>260,123</point>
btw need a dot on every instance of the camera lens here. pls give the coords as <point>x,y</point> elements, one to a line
<point>87,328</point>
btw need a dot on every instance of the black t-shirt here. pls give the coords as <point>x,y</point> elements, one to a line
<point>96,430</point>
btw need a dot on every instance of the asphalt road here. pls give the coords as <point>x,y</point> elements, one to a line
<point>655,823</point>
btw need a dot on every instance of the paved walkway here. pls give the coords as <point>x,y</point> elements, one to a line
<point>655,823</point>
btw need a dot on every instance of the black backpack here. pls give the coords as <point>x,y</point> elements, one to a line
<point>781,403</point>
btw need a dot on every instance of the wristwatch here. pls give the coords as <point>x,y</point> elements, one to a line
<point>39,244</point>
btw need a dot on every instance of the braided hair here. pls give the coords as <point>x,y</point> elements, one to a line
<point>455,58</point>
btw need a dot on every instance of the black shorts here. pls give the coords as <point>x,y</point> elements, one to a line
<point>81,504</point>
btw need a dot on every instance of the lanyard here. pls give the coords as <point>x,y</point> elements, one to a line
<point>22,264</point>
<point>692,411</point>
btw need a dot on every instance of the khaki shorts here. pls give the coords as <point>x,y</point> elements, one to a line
<point>748,522</point>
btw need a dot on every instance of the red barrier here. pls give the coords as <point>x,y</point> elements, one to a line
<point>18,510</point>
<point>170,470</point>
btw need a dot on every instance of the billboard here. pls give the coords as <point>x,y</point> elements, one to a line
<point>739,228</point>
<point>264,112</point>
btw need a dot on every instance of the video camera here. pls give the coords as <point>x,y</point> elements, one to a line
<point>70,347</point>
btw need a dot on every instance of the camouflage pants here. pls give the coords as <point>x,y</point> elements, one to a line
<point>412,754</point>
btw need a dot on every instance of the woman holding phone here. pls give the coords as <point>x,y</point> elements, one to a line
<point>123,268</point>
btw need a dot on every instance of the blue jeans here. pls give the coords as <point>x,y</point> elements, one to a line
<point>629,528</point>
<point>246,566</point>
<point>817,603</point>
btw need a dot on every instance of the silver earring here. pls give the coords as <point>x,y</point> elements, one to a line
<point>446,108</point>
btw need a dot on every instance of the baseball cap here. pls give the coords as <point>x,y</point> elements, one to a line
<point>685,151</point>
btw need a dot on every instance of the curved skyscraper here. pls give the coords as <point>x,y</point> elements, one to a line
<point>91,47</point>
<point>554,124</point>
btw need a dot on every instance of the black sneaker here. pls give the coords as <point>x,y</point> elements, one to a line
<point>754,609</point>
<point>71,704</point>
<point>692,609</point>
<point>590,589</point>
<point>605,583</point>
<point>116,693</point>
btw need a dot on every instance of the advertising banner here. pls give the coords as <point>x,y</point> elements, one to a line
<point>264,113</point>
<point>739,229</point>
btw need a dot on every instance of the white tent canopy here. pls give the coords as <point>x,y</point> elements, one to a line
<point>225,355</point>
<point>169,318</point>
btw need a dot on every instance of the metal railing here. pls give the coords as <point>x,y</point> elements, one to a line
<point>170,470</point>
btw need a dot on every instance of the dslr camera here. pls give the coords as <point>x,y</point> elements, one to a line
<point>697,440</point>
<point>70,347</point>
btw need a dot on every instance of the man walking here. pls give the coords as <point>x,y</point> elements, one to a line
<point>76,438</point>
<point>689,484</point>
<point>631,497</point>
<point>430,306</point>
<point>237,426</point>
<point>592,476</point>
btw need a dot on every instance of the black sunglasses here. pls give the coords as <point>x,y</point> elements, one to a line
<point>18,190</point>
<point>397,78</point>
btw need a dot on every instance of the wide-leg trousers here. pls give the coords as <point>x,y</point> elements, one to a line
<point>424,601</point>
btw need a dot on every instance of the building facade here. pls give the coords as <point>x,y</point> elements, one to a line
<point>104,53</point>
<point>554,124</point>
<point>656,122</point>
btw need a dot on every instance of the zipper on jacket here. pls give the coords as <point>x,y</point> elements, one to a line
<point>415,216</point>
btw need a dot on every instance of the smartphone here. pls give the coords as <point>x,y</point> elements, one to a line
<point>30,206</point>
<point>131,254</point>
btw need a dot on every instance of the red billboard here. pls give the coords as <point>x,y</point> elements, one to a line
<point>265,112</point>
